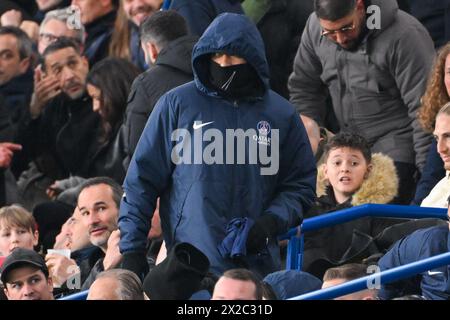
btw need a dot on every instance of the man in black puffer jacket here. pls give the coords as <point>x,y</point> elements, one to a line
<point>168,49</point>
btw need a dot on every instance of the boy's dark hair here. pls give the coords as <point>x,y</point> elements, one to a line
<point>333,10</point>
<point>163,27</point>
<point>349,140</point>
<point>61,43</point>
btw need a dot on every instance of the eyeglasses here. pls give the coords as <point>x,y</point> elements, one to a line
<point>332,33</point>
<point>50,38</point>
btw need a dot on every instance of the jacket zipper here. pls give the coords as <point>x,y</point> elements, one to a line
<point>233,173</point>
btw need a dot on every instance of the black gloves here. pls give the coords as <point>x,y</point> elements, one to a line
<point>265,227</point>
<point>136,262</point>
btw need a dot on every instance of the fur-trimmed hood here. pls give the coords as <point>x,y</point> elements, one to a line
<point>380,187</point>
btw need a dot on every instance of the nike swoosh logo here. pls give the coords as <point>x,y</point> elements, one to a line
<point>432,273</point>
<point>198,125</point>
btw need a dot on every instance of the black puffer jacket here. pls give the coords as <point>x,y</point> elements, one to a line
<point>106,157</point>
<point>172,69</point>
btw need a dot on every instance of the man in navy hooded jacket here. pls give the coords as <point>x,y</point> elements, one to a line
<point>422,244</point>
<point>193,155</point>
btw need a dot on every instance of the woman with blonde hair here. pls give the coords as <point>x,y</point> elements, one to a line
<point>436,95</point>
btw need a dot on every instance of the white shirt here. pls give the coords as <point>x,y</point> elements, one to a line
<point>439,194</point>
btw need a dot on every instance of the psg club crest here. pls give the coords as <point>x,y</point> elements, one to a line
<point>263,128</point>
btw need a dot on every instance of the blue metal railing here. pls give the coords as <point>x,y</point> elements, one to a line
<point>295,247</point>
<point>384,277</point>
<point>77,296</point>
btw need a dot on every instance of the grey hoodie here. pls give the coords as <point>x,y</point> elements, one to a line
<point>375,89</point>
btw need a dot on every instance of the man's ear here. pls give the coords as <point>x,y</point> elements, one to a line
<point>325,171</point>
<point>24,65</point>
<point>153,51</point>
<point>50,283</point>
<point>85,61</point>
<point>5,291</point>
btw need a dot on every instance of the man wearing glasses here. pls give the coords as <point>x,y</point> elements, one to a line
<point>55,25</point>
<point>373,59</point>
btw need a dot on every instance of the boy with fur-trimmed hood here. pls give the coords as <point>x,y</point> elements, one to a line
<point>352,176</point>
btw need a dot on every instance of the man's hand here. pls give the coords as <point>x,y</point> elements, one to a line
<point>31,28</point>
<point>112,256</point>
<point>11,18</point>
<point>7,150</point>
<point>45,89</point>
<point>60,268</point>
<point>53,190</point>
<point>265,228</point>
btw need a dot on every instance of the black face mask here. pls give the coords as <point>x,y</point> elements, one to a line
<point>235,82</point>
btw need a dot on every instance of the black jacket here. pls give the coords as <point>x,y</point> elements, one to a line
<point>281,29</point>
<point>98,37</point>
<point>434,15</point>
<point>14,101</point>
<point>355,240</point>
<point>107,157</point>
<point>58,141</point>
<point>96,269</point>
<point>86,259</point>
<point>172,68</point>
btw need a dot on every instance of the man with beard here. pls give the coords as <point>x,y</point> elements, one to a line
<point>98,203</point>
<point>137,11</point>
<point>57,135</point>
<point>366,54</point>
<point>168,50</point>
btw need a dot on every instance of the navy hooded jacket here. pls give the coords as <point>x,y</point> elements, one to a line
<point>199,200</point>
<point>433,284</point>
